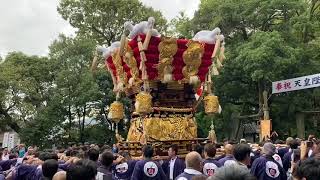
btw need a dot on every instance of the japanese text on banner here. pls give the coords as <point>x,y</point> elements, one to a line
<point>294,84</point>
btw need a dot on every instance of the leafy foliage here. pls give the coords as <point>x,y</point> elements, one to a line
<point>102,20</point>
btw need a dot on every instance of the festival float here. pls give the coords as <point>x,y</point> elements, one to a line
<point>166,78</point>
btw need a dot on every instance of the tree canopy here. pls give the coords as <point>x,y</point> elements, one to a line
<point>102,20</point>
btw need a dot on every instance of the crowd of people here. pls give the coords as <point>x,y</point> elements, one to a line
<point>296,160</point>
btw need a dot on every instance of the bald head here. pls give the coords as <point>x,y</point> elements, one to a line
<point>228,149</point>
<point>61,175</point>
<point>193,161</point>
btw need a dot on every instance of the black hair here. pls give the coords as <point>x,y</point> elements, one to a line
<point>71,153</point>
<point>294,144</point>
<point>199,149</point>
<point>36,154</point>
<point>210,149</point>
<point>147,151</point>
<point>174,147</point>
<point>309,169</point>
<point>107,158</point>
<point>12,156</point>
<point>105,148</point>
<point>49,168</point>
<point>241,151</point>
<point>93,154</point>
<point>83,170</point>
<point>46,155</point>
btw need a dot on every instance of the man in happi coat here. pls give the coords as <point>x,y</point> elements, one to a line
<point>34,171</point>
<point>6,164</point>
<point>105,169</point>
<point>147,168</point>
<point>265,167</point>
<point>210,165</point>
<point>287,157</point>
<point>124,168</point>
<point>28,172</point>
<point>228,159</point>
<point>282,151</point>
<point>174,166</point>
<point>193,166</point>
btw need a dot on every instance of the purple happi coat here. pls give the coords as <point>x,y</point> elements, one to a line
<point>266,168</point>
<point>147,169</point>
<point>210,165</point>
<point>228,159</point>
<point>124,170</point>
<point>286,160</point>
<point>28,172</point>
<point>6,165</point>
<point>283,151</point>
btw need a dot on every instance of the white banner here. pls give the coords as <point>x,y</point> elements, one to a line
<point>11,141</point>
<point>294,84</point>
<point>5,140</point>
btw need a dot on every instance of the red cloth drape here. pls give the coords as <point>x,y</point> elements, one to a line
<point>152,55</point>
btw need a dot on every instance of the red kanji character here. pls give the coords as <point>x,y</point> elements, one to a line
<point>287,85</point>
<point>279,86</point>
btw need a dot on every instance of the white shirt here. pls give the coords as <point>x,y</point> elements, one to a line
<point>310,152</point>
<point>172,161</point>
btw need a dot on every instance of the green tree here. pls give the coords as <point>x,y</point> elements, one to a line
<point>181,26</point>
<point>75,83</point>
<point>25,84</point>
<point>266,41</point>
<point>102,20</point>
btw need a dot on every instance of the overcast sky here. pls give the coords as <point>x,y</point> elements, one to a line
<point>31,25</point>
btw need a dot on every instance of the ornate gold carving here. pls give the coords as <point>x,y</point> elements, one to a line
<point>211,104</point>
<point>169,128</point>
<point>119,138</point>
<point>122,78</point>
<point>136,130</point>
<point>143,103</point>
<point>130,60</point>
<point>116,112</point>
<point>192,58</point>
<point>168,48</point>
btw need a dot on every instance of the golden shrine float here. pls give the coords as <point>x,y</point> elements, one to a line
<point>166,78</point>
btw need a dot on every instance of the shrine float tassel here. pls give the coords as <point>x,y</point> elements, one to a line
<point>211,104</point>
<point>116,112</point>
<point>143,104</point>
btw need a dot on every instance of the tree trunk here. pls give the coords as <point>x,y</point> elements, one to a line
<point>83,123</point>
<point>260,95</point>
<point>79,124</point>
<point>70,121</point>
<point>300,125</point>
<point>8,120</point>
